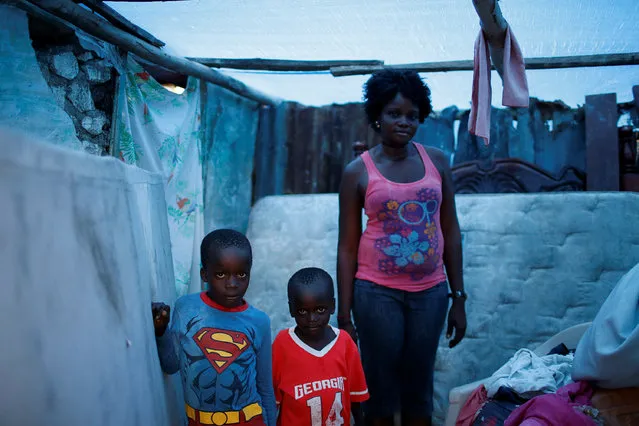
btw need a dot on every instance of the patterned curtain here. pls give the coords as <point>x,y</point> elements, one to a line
<point>160,131</point>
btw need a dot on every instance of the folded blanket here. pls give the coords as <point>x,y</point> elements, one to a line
<point>527,373</point>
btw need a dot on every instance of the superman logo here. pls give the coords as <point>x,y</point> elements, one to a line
<point>221,347</point>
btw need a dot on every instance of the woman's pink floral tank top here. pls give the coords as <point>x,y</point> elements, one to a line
<point>403,244</point>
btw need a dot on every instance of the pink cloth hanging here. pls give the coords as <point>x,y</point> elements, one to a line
<point>515,92</point>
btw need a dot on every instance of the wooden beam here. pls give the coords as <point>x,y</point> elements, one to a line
<point>121,22</point>
<point>494,26</point>
<point>557,62</point>
<point>281,64</point>
<point>97,27</point>
<point>602,143</point>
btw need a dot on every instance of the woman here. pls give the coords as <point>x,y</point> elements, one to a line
<point>393,276</point>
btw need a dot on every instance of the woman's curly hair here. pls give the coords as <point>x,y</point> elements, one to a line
<point>384,85</point>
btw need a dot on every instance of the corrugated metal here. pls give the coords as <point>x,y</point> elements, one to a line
<point>320,145</point>
<point>317,143</point>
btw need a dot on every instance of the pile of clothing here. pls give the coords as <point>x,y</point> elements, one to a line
<point>596,384</point>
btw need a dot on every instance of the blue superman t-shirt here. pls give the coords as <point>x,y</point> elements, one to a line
<point>223,355</point>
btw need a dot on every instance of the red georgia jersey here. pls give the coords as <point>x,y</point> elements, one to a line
<point>316,388</point>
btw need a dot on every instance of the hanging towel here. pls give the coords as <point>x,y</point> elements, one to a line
<point>515,85</point>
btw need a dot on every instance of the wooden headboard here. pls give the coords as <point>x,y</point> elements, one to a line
<point>510,175</point>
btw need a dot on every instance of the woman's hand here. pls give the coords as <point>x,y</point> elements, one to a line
<point>348,327</point>
<point>456,321</point>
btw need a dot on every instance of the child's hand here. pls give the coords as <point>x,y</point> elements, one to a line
<point>161,317</point>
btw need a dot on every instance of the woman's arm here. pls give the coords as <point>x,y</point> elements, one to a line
<point>350,231</point>
<point>453,260</point>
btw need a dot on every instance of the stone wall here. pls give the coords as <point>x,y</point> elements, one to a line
<point>55,83</point>
<point>534,264</point>
<point>82,82</point>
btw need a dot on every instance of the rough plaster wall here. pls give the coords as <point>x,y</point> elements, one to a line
<point>28,104</point>
<point>534,264</point>
<point>84,248</point>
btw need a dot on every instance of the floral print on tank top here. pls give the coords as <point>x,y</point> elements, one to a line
<point>410,245</point>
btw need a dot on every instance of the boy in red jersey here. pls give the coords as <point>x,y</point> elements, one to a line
<point>317,373</point>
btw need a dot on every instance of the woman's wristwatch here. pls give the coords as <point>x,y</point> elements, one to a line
<point>459,294</point>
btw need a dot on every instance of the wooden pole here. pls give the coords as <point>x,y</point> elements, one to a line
<point>494,26</point>
<point>579,61</point>
<point>97,27</point>
<point>284,65</point>
<point>121,22</point>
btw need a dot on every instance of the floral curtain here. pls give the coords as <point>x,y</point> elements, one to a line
<point>160,131</point>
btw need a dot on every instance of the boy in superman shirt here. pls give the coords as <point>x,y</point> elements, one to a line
<point>317,372</point>
<point>220,344</point>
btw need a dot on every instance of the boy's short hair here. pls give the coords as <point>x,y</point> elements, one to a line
<point>221,239</point>
<point>308,277</point>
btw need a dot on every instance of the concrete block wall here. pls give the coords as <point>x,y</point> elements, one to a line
<point>534,264</point>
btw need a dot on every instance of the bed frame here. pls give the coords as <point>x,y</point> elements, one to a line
<point>512,175</point>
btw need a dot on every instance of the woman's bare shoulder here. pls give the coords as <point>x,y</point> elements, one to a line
<point>436,154</point>
<point>355,168</point>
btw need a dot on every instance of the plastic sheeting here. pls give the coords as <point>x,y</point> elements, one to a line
<point>397,31</point>
<point>608,352</point>
<point>27,101</point>
<point>230,132</point>
<point>159,131</point>
<point>84,249</point>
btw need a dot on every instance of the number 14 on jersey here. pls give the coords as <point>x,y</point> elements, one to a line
<point>334,416</point>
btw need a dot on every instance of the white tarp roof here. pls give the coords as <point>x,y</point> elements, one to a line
<point>396,31</point>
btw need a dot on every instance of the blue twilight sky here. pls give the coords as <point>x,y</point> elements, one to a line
<point>397,31</point>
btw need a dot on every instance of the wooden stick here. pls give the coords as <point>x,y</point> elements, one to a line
<point>121,22</point>
<point>494,26</point>
<point>97,27</point>
<point>579,61</point>
<point>281,64</point>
